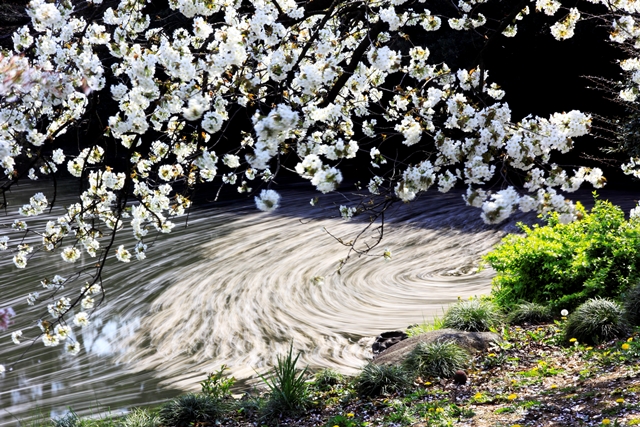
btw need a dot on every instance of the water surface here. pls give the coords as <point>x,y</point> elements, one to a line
<point>236,287</point>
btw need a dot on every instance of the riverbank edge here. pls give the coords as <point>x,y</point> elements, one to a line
<point>529,378</point>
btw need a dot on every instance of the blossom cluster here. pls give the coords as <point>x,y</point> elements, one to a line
<point>314,94</point>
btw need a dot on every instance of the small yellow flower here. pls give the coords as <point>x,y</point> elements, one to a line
<point>478,396</point>
<point>620,400</point>
<point>554,386</point>
<point>516,425</point>
<point>629,339</point>
<point>439,410</point>
<point>431,409</point>
<point>606,422</point>
<point>491,355</point>
<point>625,346</point>
<point>350,415</point>
<point>573,340</point>
<point>512,396</point>
<point>427,383</point>
<point>589,348</point>
<point>336,426</point>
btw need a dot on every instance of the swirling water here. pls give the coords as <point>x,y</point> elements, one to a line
<point>235,287</point>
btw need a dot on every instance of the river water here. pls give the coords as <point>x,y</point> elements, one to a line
<point>235,287</point>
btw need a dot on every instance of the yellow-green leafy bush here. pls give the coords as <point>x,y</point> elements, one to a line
<point>563,265</point>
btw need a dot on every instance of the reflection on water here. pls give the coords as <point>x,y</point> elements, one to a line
<point>236,288</point>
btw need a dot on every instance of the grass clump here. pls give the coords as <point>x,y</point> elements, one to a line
<point>288,387</point>
<point>472,315</point>
<point>418,329</point>
<point>190,408</point>
<point>437,359</point>
<point>531,313</point>
<point>69,420</point>
<point>375,380</point>
<point>141,418</point>
<point>596,320</point>
<point>632,305</point>
<point>326,379</point>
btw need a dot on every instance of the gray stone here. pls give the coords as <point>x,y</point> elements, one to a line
<point>471,341</point>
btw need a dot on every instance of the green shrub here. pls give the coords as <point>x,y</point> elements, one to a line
<point>375,380</point>
<point>288,387</point>
<point>190,409</point>
<point>216,385</point>
<point>437,359</point>
<point>325,379</point>
<point>632,305</point>
<point>596,320</point>
<point>529,312</point>
<point>563,265</point>
<point>473,315</point>
<point>141,418</point>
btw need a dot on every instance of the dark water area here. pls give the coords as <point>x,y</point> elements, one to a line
<point>236,287</point>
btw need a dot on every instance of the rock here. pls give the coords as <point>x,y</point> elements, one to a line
<point>470,341</point>
<point>386,340</point>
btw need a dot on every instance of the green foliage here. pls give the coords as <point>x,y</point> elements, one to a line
<point>475,315</point>
<point>343,421</point>
<point>73,420</point>
<point>437,359</point>
<point>401,414</point>
<point>632,305</point>
<point>141,418</point>
<point>531,313</point>
<point>288,387</point>
<point>436,323</point>
<point>563,265</point>
<point>596,320</point>
<point>375,380</point>
<point>69,420</point>
<point>188,409</point>
<point>325,379</point>
<point>216,385</point>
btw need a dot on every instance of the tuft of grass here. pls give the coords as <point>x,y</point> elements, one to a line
<point>596,320</point>
<point>141,418</point>
<point>289,392</point>
<point>190,409</point>
<point>531,313</point>
<point>632,305</point>
<point>375,380</point>
<point>326,379</point>
<point>436,323</point>
<point>69,420</point>
<point>437,359</point>
<point>473,315</point>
